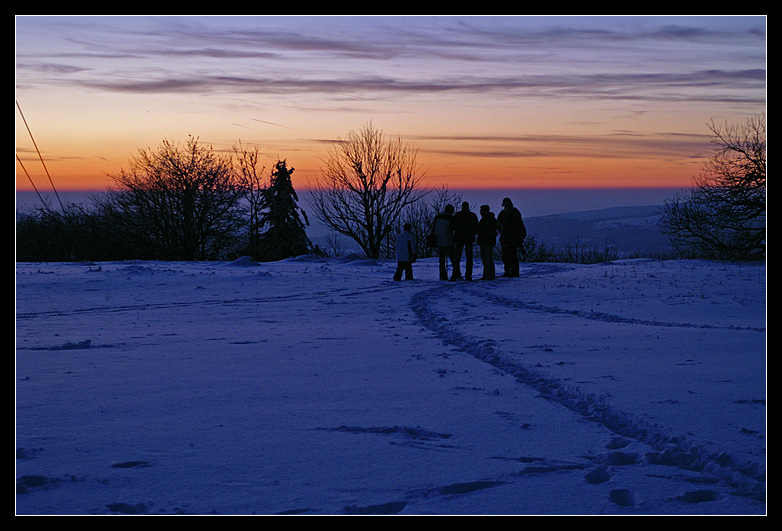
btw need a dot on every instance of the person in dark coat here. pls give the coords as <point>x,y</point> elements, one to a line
<point>487,239</point>
<point>405,253</point>
<point>443,229</point>
<point>465,227</point>
<point>512,234</point>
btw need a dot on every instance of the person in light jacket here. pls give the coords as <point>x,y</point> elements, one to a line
<point>405,253</point>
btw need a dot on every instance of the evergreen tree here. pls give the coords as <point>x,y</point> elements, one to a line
<point>285,233</point>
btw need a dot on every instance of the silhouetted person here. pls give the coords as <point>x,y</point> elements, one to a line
<point>465,227</point>
<point>443,229</point>
<point>487,239</point>
<point>512,234</point>
<point>405,253</point>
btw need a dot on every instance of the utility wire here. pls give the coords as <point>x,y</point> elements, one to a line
<point>31,181</point>
<point>39,156</point>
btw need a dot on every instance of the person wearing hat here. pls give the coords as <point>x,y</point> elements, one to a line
<point>512,234</point>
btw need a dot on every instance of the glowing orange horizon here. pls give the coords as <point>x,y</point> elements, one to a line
<point>79,182</point>
<point>78,174</point>
<point>520,103</point>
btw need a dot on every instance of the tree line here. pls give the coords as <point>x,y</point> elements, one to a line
<point>178,202</point>
<point>189,202</point>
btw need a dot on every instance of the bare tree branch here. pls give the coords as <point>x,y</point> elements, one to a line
<point>724,215</point>
<point>366,183</point>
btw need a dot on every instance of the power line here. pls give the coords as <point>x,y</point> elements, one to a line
<point>39,156</point>
<point>31,181</point>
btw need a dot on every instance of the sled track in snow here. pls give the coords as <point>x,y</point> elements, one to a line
<point>747,478</point>
<point>602,316</point>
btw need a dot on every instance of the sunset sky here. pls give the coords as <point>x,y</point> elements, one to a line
<point>489,102</point>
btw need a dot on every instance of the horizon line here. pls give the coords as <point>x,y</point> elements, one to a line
<point>432,187</point>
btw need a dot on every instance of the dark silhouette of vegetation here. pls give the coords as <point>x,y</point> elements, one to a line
<point>177,203</point>
<point>190,203</point>
<point>572,252</point>
<point>174,203</point>
<point>285,234</point>
<point>367,183</point>
<point>75,233</point>
<point>723,216</point>
<point>253,184</point>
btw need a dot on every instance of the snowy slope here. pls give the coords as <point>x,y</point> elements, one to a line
<point>631,231</point>
<point>314,386</point>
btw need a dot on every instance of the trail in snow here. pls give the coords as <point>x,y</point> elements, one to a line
<point>676,451</point>
<point>391,397</point>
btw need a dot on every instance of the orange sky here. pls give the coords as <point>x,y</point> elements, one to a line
<point>489,102</point>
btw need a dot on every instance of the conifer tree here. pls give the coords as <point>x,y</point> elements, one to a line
<point>285,234</point>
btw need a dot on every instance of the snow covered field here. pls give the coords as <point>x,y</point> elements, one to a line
<point>321,387</point>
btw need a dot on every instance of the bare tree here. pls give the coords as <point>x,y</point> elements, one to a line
<point>365,185</point>
<point>178,202</point>
<point>253,184</point>
<point>724,215</point>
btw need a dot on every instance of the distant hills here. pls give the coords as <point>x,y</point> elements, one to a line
<point>630,230</point>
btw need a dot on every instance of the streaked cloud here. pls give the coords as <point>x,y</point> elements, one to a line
<point>549,86</point>
<point>711,86</point>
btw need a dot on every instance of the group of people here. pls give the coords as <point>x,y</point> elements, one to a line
<point>455,233</point>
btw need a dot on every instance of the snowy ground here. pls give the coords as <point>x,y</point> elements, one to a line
<point>315,387</point>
